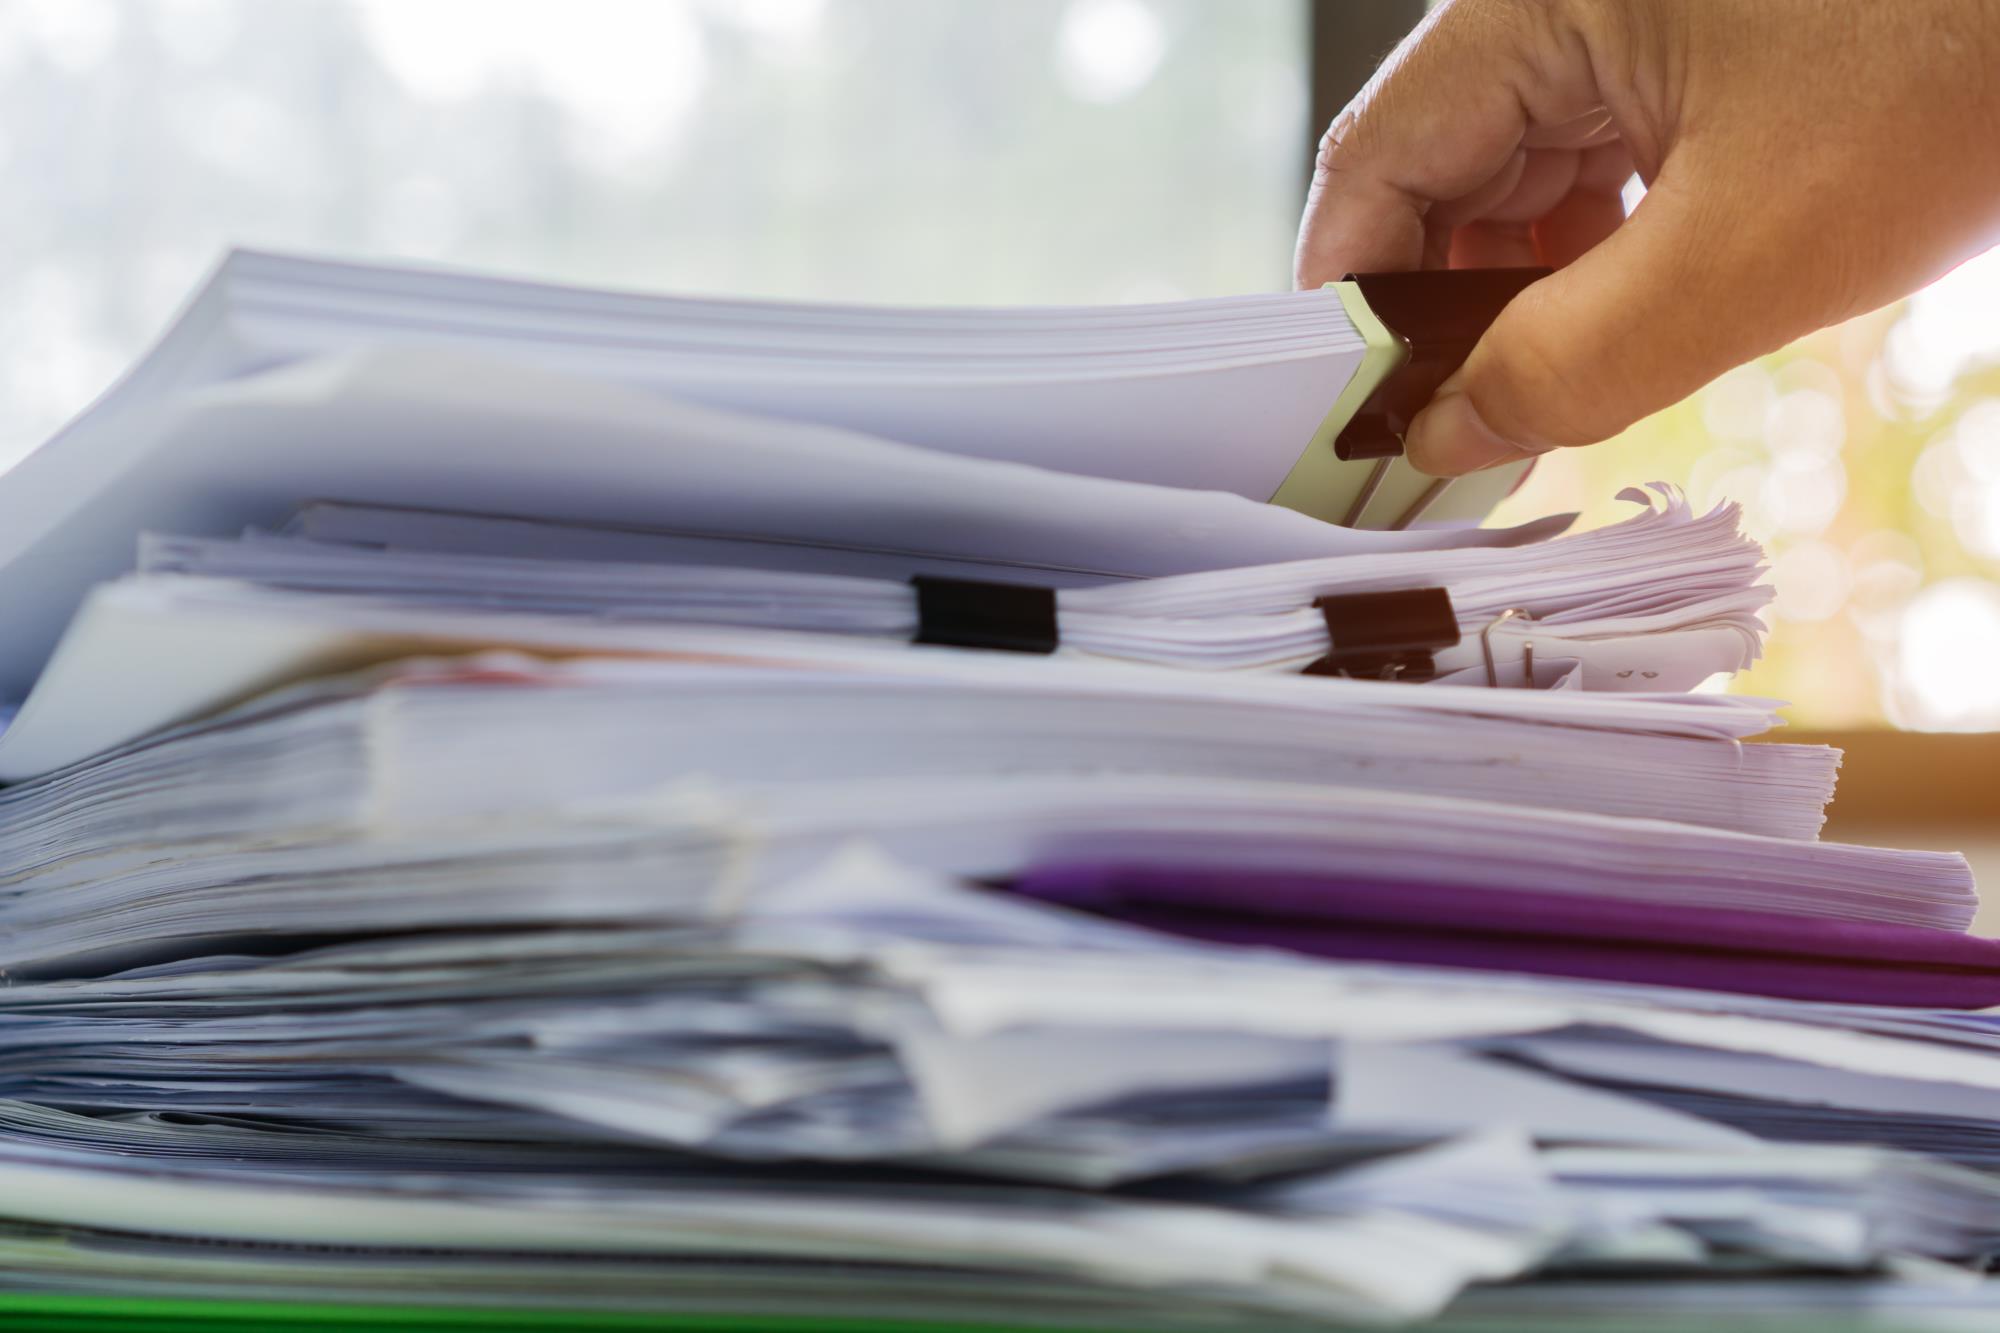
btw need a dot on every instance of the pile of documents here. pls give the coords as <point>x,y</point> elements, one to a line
<point>533,804</point>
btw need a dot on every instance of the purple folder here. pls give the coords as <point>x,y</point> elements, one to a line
<point>1752,953</point>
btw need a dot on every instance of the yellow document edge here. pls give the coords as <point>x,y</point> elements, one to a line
<point>1319,484</point>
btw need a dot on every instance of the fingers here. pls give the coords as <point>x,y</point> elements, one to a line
<point>1487,140</point>
<point>1643,319</point>
<point>1590,212</point>
<point>1588,130</point>
<point>1502,186</point>
<point>1806,162</point>
<point>1494,245</point>
<point>1546,180</point>
<point>1557,208</point>
<point>1576,225</point>
<point>1445,119</point>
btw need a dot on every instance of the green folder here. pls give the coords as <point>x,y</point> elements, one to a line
<point>127,1314</point>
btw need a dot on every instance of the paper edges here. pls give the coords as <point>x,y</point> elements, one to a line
<point>1314,484</point>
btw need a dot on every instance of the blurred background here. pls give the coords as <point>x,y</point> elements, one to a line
<point>926,151</point>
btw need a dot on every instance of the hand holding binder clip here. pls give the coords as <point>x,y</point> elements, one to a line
<point>1419,328</point>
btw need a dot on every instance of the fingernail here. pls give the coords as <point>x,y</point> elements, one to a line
<point>1449,438</point>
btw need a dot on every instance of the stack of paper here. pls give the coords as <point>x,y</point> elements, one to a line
<point>455,794</point>
<point>492,841</point>
<point>1660,602</point>
<point>1120,1122</point>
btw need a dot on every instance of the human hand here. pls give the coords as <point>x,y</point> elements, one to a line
<point>1806,160</point>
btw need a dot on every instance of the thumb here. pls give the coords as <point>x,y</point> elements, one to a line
<point>1660,307</point>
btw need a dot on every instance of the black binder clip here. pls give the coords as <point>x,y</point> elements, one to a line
<point>1436,316</point>
<point>1386,635</point>
<point>972,613</point>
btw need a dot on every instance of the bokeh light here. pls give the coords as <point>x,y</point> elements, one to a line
<point>1948,643</point>
<point>72,36</point>
<point>1947,328</point>
<point>1810,580</point>
<point>626,76</point>
<point>1108,50</point>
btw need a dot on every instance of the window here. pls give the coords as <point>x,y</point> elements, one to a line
<point>880,150</point>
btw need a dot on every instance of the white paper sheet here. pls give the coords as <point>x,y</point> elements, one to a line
<point>457,431</point>
<point>1451,1090</point>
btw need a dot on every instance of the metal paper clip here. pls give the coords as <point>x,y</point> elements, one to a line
<point>1527,647</point>
<point>1431,495</point>
<point>1352,518</point>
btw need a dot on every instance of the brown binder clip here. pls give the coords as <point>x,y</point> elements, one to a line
<point>1436,316</point>
<point>1385,635</point>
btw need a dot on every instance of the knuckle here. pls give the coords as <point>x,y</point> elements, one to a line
<point>1332,144</point>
